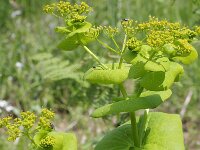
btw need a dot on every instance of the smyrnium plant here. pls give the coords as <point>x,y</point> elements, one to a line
<point>152,54</point>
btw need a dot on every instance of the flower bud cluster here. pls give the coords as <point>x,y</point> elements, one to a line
<point>4,121</point>
<point>183,48</point>
<point>133,43</point>
<point>156,33</point>
<point>72,13</point>
<point>94,32</point>
<point>13,131</point>
<point>45,119</point>
<point>47,142</point>
<point>128,26</point>
<point>197,30</point>
<point>110,31</point>
<point>28,119</point>
<point>159,38</point>
<point>15,127</point>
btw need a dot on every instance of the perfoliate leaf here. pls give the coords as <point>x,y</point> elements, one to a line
<point>158,80</point>
<point>187,59</point>
<point>164,133</point>
<point>137,70</point>
<point>81,29</point>
<point>128,56</point>
<point>69,43</point>
<point>149,99</point>
<point>109,76</point>
<point>160,64</point>
<point>62,30</point>
<point>63,141</point>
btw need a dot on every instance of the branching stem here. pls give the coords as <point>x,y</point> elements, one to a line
<point>107,46</point>
<point>94,56</point>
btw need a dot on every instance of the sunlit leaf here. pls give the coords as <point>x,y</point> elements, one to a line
<point>149,99</point>
<point>164,132</point>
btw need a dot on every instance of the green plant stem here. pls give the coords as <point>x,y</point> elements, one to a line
<point>106,46</point>
<point>29,137</point>
<point>133,118</point>
<point>115,43</point>
<point>94,56</point>
<point>134,129</point>
<point>122,51</point>
<point>123,90</point>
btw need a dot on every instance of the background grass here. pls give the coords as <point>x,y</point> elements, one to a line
<point>26,31</point>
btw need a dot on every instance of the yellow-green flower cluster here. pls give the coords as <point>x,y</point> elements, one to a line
<point>159,38</point>
<point>69,12</point>
<point>133,44</point>
<point>183,33</point>
<point>197,30</point>
<point>128,26</point>
<point>13,131</point>
<point>15,127</point>
<point>156,33</point>
<point>183,48</point>
<point>153,24</point>
<point>94,32</point>
<point>47,142</point>
<point>28,119</point>
<point>4,121</point>
<point>12,127</point>
<point>110,31</point>
<point>45,119</point>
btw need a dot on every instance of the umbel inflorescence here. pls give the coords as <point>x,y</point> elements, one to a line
<point>170,39</point>
<point>28,124</point>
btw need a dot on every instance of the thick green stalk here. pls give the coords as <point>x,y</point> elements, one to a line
<point>133,119</point>
<point>134,129</point>
<point>94,56</point>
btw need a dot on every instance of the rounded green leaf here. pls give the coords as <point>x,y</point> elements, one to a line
<point>128,56</point>
<point>137,70</point>
<point>149,99</point>
<point>80,29</point>
<point>39,136</point>
<point>164,132</point>
<point>160,64</point>
<point>69,43</point>
<point>63,141</point>
<point>159,80</point>
<point>109,76</point>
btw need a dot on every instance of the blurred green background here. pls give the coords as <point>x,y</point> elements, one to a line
<point>26,32</point>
